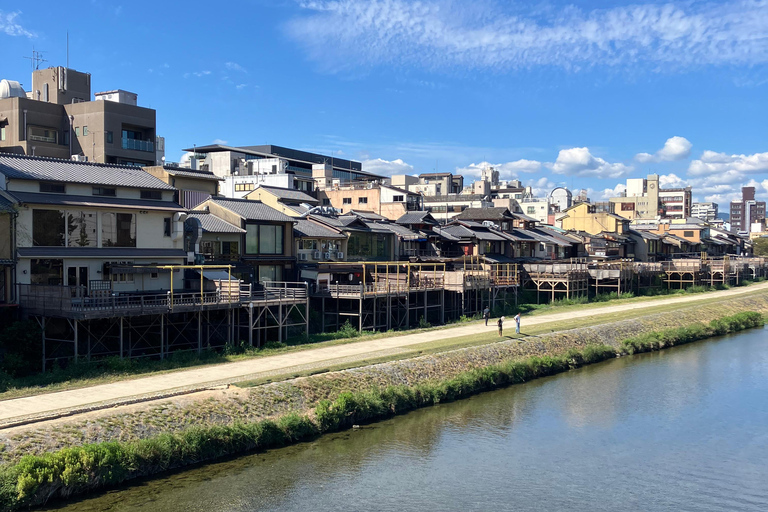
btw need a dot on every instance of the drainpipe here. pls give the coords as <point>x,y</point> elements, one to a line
<point>25,125</point>
<point>71,121</point>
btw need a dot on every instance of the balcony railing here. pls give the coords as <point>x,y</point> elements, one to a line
<point>138,145</point>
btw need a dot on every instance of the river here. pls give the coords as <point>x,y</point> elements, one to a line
<point>684,429</point>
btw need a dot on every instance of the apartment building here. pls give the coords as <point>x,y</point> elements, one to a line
<point>644,199</point>
<point>58,119</point>
<point>91,226</point>
<point>704,211</point>
<point>386,200</point>
<point>444,208</point>
<point>192,186</point>
<point>746,210</point>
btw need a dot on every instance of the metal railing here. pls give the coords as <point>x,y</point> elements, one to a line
<point>138,145</point>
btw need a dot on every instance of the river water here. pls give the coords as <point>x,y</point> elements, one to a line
<point>684,429</point>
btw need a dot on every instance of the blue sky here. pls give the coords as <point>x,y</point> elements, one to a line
<point>583,94</point>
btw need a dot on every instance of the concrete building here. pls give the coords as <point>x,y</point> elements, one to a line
<point>444,208</point>
<point>704,211</point>
<point>225,161</point>
<point>58,119</point>
<point>584,217</point>
<point>192,187</point>
<point>561,198</point>
<point>675,203</point>
<point>644,199</point>
<point>386,200</point>
<point>746,210</point>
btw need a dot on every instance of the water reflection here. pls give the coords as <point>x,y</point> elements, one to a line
<point>682,429</point>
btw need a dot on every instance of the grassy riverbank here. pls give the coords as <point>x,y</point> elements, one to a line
<point>35,478</point>
<point>108,370</point>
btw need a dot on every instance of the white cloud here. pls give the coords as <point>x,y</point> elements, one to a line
<point>580,162</point>
<point>671,181</point>
<point>10,27</point>
<point>676,148</point>
<point>616,191</point>
<point>487,35</point>
<point>234,66</point>
<point>198,74</point>
<point>240,87</point>
<point>541,187</point>
<point>712,162</point>
<point>387,167</point>
<point>508,170</point>
<point>219,141</point>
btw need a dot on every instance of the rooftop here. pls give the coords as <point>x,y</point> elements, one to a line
<point>288,193</point>
<point>21,167</point>
<point>250,210</point>
<point>214,224</point>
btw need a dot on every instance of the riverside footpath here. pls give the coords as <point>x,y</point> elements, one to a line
<point>62,403</point>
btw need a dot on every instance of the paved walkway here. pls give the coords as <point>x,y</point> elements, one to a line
<point>127,391</point>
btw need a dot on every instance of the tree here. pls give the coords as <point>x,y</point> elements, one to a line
<point>760,246</point>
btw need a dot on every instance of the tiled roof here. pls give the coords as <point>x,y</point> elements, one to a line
<point>94,201</point>
<point>398,230</point>
<point>201,175</point>
<point>5,204</point>
<point>417,218</point>
<point>251,210</point>
<point>214,224</point>
<point>289,194</point>
<point>495,213</point>
<point>306,228</point>
<point>21,167</point>
<point>367,215</point>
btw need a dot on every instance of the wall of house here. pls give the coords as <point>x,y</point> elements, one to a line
<point>371,197</point>
<point>5,236</point>
<point>334,246</point>
<point>579,219</point>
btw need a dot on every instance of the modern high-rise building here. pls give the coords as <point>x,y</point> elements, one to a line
<point>644,199</point>
<point>746,210</point>
<point>59,119</point>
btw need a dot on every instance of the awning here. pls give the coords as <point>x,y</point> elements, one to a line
<point>215,274</point>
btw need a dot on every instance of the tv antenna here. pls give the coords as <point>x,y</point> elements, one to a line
<point>36,59</point>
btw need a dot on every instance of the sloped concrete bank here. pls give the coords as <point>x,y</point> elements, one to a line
<point>76,454</point>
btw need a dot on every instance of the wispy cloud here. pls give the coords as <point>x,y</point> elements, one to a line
<point>498,36</point>
<point>387,167</point>
<point>234,66</point>
<point>198,74</point>
<point>11,27</point>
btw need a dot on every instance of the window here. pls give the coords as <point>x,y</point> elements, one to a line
<point>85,131</point>
<point>531,210</point>
<point>398,199</point>
<point>263,239</point>
<point>627,207</point>
<point>152,194</point>
<point>308,245</point>
<point>153,275</point>
<point>118,229</point>
<point>82,229</point>
<point>48,228</point>
<point>326,201</point>
<point>104,191</point>
<point>274,169</point>
<point>167,226</point>
<point>77,131</point>
<point>346,200</point>
<point>49,272</point>
<point>119,277</point>
<point>270,273</point>
<point>230,250</point>
<point>362,200</point>
<point>110,138</point>
<point>688,233</point>
<point>243,187</point>
<point>2,132</point>
<point>53,188</point>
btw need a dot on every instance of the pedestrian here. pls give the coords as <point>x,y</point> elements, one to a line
<point>517,323</point>
<point>500,323</point>
<point>486,315</point>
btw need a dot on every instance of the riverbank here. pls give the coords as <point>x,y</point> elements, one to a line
<point>171,435</point>
<point>114,370</point>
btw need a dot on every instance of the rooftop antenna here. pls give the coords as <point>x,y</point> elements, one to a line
<point>36,59</point>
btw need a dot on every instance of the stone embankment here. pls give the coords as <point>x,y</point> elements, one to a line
<point>278,413</point>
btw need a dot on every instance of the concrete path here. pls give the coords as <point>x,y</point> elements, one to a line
<point>155,386</point>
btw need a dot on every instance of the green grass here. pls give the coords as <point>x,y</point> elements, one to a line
<point>35,479</point>
<point>114,369</point>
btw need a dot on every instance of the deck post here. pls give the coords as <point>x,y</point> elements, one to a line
<point>250,324</point>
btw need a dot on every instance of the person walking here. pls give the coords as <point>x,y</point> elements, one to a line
<point>517,323</point>
<point>486,315</point>
<point>500,323</point>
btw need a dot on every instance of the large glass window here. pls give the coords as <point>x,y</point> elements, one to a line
<point>42,134</point>
<point>118,230</point>
<point>49,272</point>
<point>263,239</point>
<point>81,229</point>
<point>48,228</point>
<point>270,273</point>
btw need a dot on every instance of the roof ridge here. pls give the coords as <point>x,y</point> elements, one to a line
<point>67,160</point>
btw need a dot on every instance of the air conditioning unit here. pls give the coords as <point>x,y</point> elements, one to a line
<point>339,255</point>
<point>327,255</point>
<point>316,255</point>
<point>79,158</point>
<point>303,256</point>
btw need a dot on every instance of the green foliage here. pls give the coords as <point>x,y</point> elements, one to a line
<point>20,349</point>
<point>681,335</point>
<point>423,324</point>
<point>760,246</point>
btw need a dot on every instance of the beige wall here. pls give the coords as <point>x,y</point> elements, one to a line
<point>183,182</point>
<point>270,200</point>
<point>5,236</point>
<point>579,219</point>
